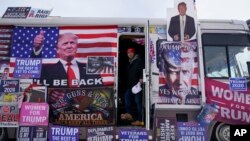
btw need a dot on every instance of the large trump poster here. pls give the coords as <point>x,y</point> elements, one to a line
<point>72,56</point>
<point>178,73</point>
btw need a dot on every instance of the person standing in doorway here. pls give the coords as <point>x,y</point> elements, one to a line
<point>134,75</point>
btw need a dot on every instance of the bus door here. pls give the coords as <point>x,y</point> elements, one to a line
<point>131,38</point>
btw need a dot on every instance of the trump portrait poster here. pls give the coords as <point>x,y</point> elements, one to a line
<point>87,60</point>
<point>178,72</point>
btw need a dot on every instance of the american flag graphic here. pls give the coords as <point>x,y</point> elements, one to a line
<point>95,41</point>
<point>177,56</point>
<point>23,38</point>
<point>92,41</point>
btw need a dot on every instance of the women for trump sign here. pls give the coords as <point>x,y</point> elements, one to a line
<point>234,106</point>
<point>34,114</point>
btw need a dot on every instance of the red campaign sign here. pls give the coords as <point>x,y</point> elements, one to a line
<point>234,106</point>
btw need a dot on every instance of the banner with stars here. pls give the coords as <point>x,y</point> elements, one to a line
<point>23,38</point>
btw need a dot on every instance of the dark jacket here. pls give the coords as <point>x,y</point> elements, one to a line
<point>174,27</point>
<point>134,72</point>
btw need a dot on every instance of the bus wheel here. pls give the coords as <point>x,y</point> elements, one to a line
<point>223,132</point>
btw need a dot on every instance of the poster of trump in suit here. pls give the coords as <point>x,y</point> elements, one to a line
<point>181,21</point>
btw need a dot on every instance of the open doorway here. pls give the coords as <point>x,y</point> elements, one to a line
<point>125,42</point>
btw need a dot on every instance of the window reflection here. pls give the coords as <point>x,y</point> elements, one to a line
<point>216,61</point>
<point>239,56</point>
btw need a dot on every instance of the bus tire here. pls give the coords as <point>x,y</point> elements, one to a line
<point>222,132</point>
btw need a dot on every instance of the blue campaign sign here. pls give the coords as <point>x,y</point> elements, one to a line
<point>9,86</point>
<point>192,131</point>
<point>106,133</point>
<point>238,84</point>
<point>28,68</point>
<point>63,133</point>
<point>132,134</point>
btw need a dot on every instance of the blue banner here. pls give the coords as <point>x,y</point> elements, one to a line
<point>62,133</point>
<point>9,86</point>
<point>27,68</point>
<point>238,84</point>
<point>192,131</point>
<point>133,134</point>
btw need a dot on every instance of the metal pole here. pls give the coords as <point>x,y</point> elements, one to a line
<point>147,105</point>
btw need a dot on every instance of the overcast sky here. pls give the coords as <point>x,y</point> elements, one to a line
<point>207,9</point>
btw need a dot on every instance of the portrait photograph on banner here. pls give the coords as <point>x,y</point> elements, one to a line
<point>178,73</point>
<point>182,21</point>
<point>65,53</point>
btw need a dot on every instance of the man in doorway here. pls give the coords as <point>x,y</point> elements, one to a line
<point>182,26</point>
<point>134,75</point>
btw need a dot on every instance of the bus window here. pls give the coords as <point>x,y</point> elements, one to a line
<point>226,55</point>
<point>216,61</point>
<point>239,56</point>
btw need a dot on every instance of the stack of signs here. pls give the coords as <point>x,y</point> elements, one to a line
<point>63,133</point>
<point>33,121</point>
<point>101,134</point>
<point>9,112</point>
<point>132,134</point>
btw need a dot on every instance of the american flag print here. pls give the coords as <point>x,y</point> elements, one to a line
<point>96,41</point>
<point>23,38</point>
<point>100,65</point>
<point>93,41</point>
<point>178,53</point>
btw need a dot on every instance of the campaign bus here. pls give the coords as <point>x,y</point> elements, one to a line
<point>195,80</point>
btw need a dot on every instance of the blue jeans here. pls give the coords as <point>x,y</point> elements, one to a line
<point>138,100</point>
